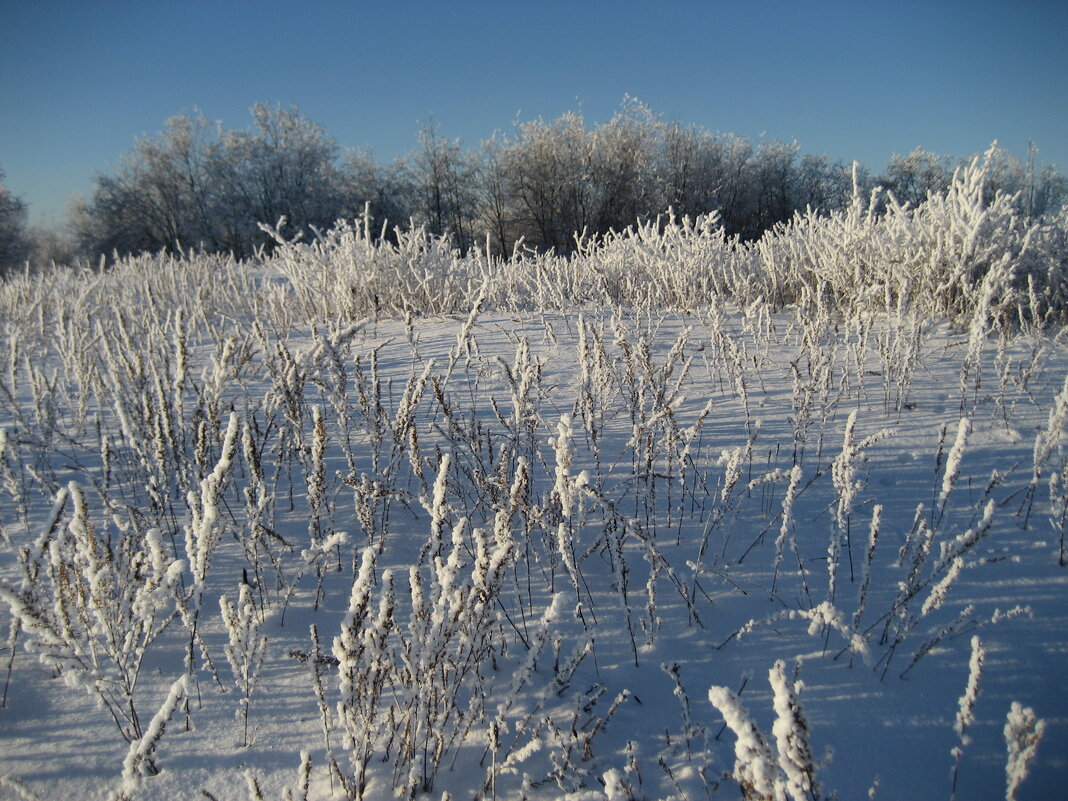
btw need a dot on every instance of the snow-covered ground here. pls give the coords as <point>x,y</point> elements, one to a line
<point>674,517</point>
<point>607,513</point>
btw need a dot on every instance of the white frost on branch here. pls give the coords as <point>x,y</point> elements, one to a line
<point>791,736</point>
<point>755,768</point>
<point>138,762</point>
<point>956,453</point>
<point>1023,732</point>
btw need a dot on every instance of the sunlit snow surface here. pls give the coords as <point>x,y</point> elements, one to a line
<point>871,722</point>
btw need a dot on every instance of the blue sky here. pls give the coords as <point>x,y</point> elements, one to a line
<point>80,81</point>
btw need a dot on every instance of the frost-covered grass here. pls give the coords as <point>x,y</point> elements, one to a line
<point>675,517</point>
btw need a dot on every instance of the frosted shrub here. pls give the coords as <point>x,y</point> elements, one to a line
<point>508,759</point>
<point>438,509</point>
<point>9,473</point>
<point>966,708</point>
<point>350,272</point>
<point>952,470</point>
<point>318,528</point>
<point>756,769</point>
<point>935,256</point>
<point>791,736</point>
<point>139,759</point>
<point>1058,508</point>
<point>845,473</point>
<point>205,529</point>
<point>734,463</point>
<point>100,600</point>
<point>668,262</point>
<point>259,502</point>
<point>245,650</point>
<point>202,536</point>
<point>1047,440</point>
<point>788,773</point>
<point>565,497</point>
<point>322,538</point>
<point>866,567</point>
<point>787,527</point>
<point>936,578</point>
<point>303,780</point>
<point>1023,733</point>
<point>822,619</point>
<point>431,666</point>
<point>360,680</point>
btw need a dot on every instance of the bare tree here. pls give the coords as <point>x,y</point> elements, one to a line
<point>159,198</point>
<point>823,184</point>
<point>196,185</point>
<point>14,240</point>
<point>444,179</point>
<point>548,169</point>
<point>494,199</point>
<point>623,155</point>
<point>385,191</point>
<point>285,167</point>
<point>911,178</point>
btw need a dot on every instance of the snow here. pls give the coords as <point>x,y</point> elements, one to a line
<point>513,536</point>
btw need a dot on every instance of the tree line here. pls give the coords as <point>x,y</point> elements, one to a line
<point>198,185</point>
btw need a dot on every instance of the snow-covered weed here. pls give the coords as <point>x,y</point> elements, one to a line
<point>245,651</point>
<point>1023,733</point>
<point>92,602</point>
<point>602,463</point>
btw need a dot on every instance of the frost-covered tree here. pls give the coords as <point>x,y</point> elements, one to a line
<point>1049,192</point>
<point>1036,190</point>
<point>196,185</point>
<point>622,157</point>
<point>285,167</point>
<point>548,169</point>
<point>384,191</point>
<point>823,184</point>
<point>159,197</point>
<point>14,240</point>
<point>494,204</point>
<point>911,178</point>
<point>774,174</point>
<point>444,183</point>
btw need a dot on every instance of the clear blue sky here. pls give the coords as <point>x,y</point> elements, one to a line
<point>81,80</point>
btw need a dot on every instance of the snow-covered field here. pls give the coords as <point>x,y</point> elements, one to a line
<point>690,537</point>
